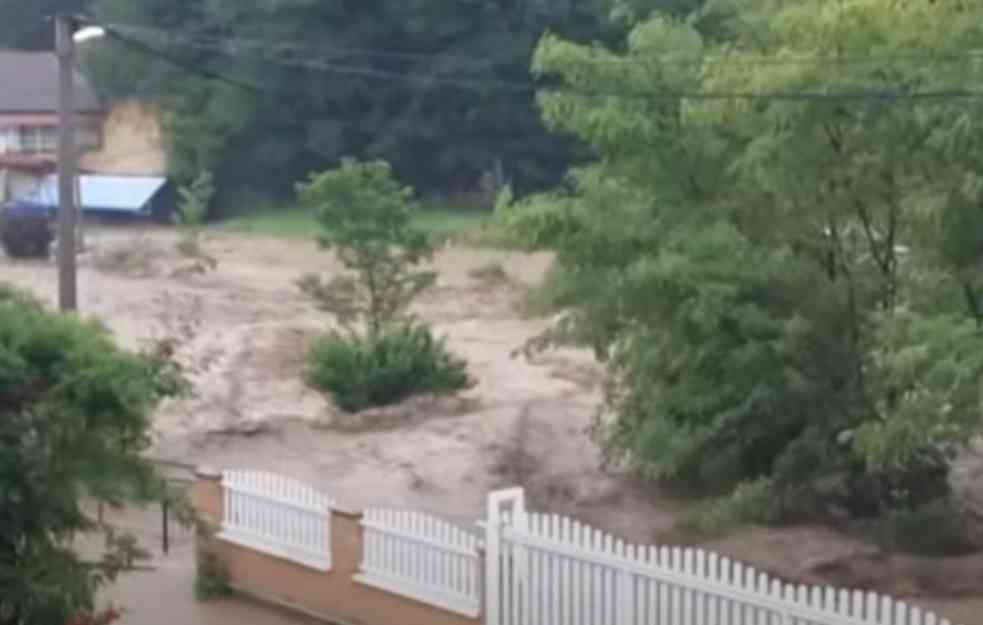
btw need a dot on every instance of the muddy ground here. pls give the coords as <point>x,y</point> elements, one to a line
<point>242,330</point>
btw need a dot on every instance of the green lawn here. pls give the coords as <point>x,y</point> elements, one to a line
<point>299,224</point>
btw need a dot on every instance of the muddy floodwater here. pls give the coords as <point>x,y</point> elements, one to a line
<point>241,332</point>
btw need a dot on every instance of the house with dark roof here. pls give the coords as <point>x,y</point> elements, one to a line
<point>29,119</point>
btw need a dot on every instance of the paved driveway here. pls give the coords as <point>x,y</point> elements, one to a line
<point>165,594</point>
<point>165,597</point>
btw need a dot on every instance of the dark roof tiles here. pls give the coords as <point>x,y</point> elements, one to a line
<point>29,84</point>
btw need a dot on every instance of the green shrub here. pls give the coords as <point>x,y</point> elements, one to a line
<point>195,200</point>
<point>751,502</point>
<point>932,529</point>
<point>77,413</point>
<point>362,372</point>
<point>192,213</point>
<point>211,578</point>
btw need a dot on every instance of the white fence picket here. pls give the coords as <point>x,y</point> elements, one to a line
<point>539,569</point>
<point>278,516</point>
<point>423,558</point>
<point>556,570</point>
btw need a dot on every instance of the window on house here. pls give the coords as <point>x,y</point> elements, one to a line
<point>9,140</point>
<point>38,139</point>
<point>34,140</point>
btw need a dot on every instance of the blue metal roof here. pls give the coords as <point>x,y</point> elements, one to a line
<point>122,194</point>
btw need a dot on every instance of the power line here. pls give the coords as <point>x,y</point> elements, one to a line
<point>321,50</point>
<point>531,88</point>
<point>188,67</point>
<point>822,59</point>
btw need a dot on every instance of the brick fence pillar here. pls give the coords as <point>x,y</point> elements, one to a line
<point>206,495</point>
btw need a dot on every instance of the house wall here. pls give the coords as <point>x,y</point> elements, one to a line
<point>132,143</point>
<point>23,167</point>
<point>21,150</point>
<point>334,595</point>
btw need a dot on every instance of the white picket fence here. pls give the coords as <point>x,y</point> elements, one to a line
<point>537,569</point>
<point>421,557</point>
<point>278,516</point>
<point>550,570</point>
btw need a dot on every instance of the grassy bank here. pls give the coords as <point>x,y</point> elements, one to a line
<point>298,224</point>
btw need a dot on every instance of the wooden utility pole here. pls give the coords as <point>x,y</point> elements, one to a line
<point>79,215</point>
<point>67,164</point>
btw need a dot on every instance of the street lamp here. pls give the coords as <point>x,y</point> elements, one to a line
<point>88,33</point>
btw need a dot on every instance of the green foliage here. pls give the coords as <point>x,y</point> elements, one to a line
<point>412,82</point>
<point>536,223</point>
<point>195,200</point>
<point>211,577</point>
<point>783,290</point>
<point>751,502</point>
<point>76,418</point>
<point>933,529</point>
<point>366,219</point>
<point>439,222</point>
<point>384,369</point>
<point>928,370</point>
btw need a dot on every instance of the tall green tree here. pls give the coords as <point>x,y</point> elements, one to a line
<point>786,288</point>
<point>423,85</point>
<point>74,418</point>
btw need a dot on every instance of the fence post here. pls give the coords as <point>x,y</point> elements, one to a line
<point>494,523</point>
<point>624,601</point>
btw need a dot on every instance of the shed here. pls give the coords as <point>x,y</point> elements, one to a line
<point>119,196</point>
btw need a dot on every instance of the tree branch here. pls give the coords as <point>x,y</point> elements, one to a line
<point>869,233</point>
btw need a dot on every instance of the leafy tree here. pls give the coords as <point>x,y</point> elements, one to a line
<point>76,415</point>
<point>366,216</point>
<point>785,289</point>
<point>416,83</point>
